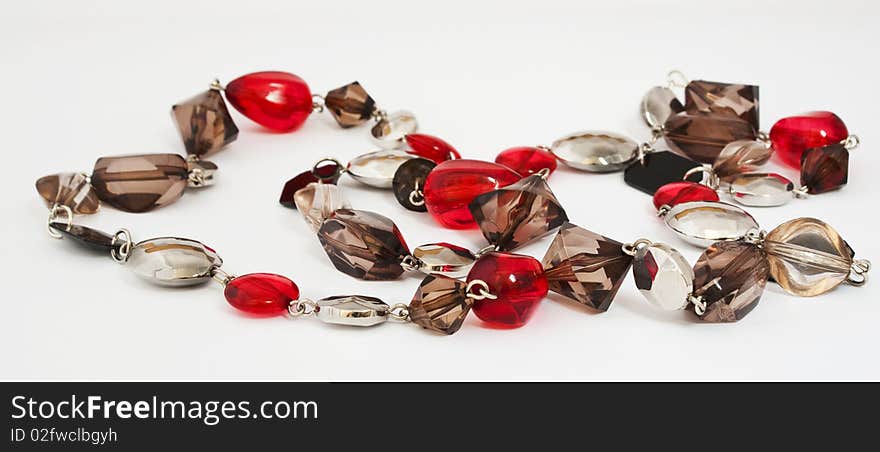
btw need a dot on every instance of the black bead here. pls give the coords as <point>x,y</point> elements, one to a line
<point>409,175</point>
<point>659,169</point>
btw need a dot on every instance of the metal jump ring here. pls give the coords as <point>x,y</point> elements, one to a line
<point>483,288</point>
<point>399,312</point>
<point>676,79</point>
<point>711,179</point>
<point>123,239</point>
<point>301,308</point>
<point>54,215</point>
<point>631,248</point>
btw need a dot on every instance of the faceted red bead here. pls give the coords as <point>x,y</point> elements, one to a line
<point>263,294</point>
<point>679,192</point>
<point>527,160</point>
<point>516,280</point>
<point>277,100</point>
<point>791,136</point>
<point>431,148</point>
<point>453,184</point>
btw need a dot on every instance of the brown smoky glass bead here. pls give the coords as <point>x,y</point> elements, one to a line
<point>204,123</point>
<point>824,169</point>
<point>140,183</point>
<point>350,105</point>
<point>440,304</point>
<point>741,156</point>
<point>69,189</point>
<point>586,267</point>
<point>702,136</point>
<point>723,99</point>
<point>807,256</point>
<point>89,238</point>
<point>730,278</point>
<point>517,214</point>
<point>363,244</point>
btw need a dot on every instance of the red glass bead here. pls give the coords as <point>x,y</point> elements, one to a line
<point>262,294</point>
<point>793,135</point>
<point>277,100</point>
<point>679,192</point>
<point>431,148</point>
<point>519,283</point>
<point>527,160</point>
<point>452,185</point>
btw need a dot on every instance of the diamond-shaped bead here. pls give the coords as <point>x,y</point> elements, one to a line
<point>69,189</point>
<point>363,244</point>
<point>514,215</point>
<point>440,304</point>
<point>204,123</point>
<point>350,105</point>
<point>726,99</point>
<point>586,267</point>
<point>730,278</point>
<point>702,136</point>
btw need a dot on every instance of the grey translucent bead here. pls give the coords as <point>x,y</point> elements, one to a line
<point>390,132</point>
<point>704,223</point>
<point>171,261</point>
<point>762,189</point>
<point>663,276</point>
<point>317,202</point>
<point>352,310</point>
<point>377,168</point>
<point>444,259</point>
<point>658,105</point>
<point>595,151</point>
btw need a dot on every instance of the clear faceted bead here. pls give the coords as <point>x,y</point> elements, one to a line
<point>807,256</point>
<point>391,131</point>
<point>514,215</point>
<point>317,201</point>
<point>658,105</point>
<point>585,267</point>
<point>729,278</point>
<point>204,123</point>
<point>595,151</point>
<point>762,189</point>
<point>171,261</point>
<point>363,244</point>
<point>350,105</point>
<point>444,258</point>
<point>440,304</point>
<point>69,189</point>
<point>741,156</point>
<point>377,169</point>
<point>703,223</point>
<point>663,276</point>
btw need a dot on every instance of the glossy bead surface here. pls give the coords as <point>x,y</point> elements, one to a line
<point>701,136</point>
<point>280,101</point>
<point>430,147</point>
<point>527,160</point>
<point>363,244</point>
<point>350,105</point>
<point>730,278</point>
<point>741,156</point>
<point>516,280</point>
<point>595,151</point>
<point>327,173</point>
<point>440,304</point>
<point>704,223</point>
<point>316,202</point>
<point>377,169</point>
<point>408,183</point>
<point>172,261</point>
<point>657,170</point>
<point>261,294</point>
<point>793,135</point>
<point>807,256</point>
<point>204,123</point>
<point>140,183</point>
<point>825,169</point>
<point>92,239</point>
<point>676,193</point>
<point>352,310</point>
<point>663,276</point>
<point>69,189</point>
<point>658,104</point>
<point>391,131</point>
<point>735,100</point>
<point>453,185</point>
<point>444,259</point>
<point>761,189</point>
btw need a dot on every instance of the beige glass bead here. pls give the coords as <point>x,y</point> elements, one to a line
<point>807,257</point>
<point>317,201</point>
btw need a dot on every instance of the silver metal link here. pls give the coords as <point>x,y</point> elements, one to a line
<point>631,248</point>
<point>303,307</point>
<point>56,212</point>
<point>399,312</point>
<point>121,245</point>
<point>483,290</point>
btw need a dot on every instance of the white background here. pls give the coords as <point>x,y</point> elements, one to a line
<point>87,79</point>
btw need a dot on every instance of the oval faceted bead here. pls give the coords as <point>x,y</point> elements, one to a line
<point>595,151</point>
<point>317,201</point>
<point>377,169</point>
<point>389,133</point>
<point>807,256</point>
<point>69,189</point>
<point>663,276</point>
<point>352,310</point>
<point>741,156</point>
<point>703,223</point>
<point>730,278</point>
<point>408,184</point>
<point>171,261</point>
<point>527,160</point>
<point>444,259</point>
<point>679,192</point>
<point>140,183</point>
<point>516,280</point>
<point>430,147</point>
<point>92,239</point>
<point>454,184</point>
<point>262,294</point>
<point>762,189</point>
<point>280,101</point>
<point>363,244</point>
<point>658,105</point>
<point>793,135</point>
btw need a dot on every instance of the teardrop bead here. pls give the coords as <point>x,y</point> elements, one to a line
<point>595,151</point>
<point>527,160</point>
<point>663,276</point>
<point>69,189</point>
<point>280,101</point>
<point>658,105</point>
<point>172,261</point>
<point>807,256</point>
<point>793,135</point>
<point>140,183</point>
<point>762,189</point>
<point>317,202</point>
<point>261,294</point>
<point>377,169</point>
<point>363,244</point>
<point>391,131</point>
<point>430,147</point>
<point>729,278</point>
<point>704,223</point>
<point>673,194</point>
<point>741,156</point>
<point>453,185</point>
<point>517,282</point>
